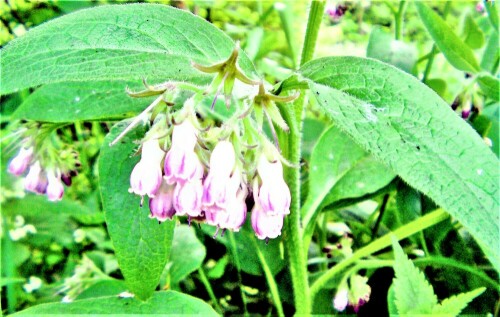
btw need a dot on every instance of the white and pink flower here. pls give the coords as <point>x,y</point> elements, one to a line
<point>20,162</point>
<point>162,204</point>
<point>146,176</point>
<point>36,180</point>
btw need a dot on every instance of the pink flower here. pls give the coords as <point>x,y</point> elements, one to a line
<point>55,189</point>
<point>36,180</point>
<point>215,186</point>
<point>187,198</point>
<point>266,225</point>
<point>20,162</point>
<point>235,214</point>
<point>274,194</point>
<point>161,205</point>
<point>182,165</point>
<point>145,178</point>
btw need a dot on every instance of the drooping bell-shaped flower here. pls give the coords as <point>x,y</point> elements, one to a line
<point>236,213</point>
<point>341,299</point>
<point>266,225</point>
<point>146,176</point>
<point>36,180</point>
<point>55,189</point>
<point>215,191</point>
<point>274,194</point>
<point>162,204</point>
<point>187,198</point>
<point>181,163</point>
<point>20,162</point>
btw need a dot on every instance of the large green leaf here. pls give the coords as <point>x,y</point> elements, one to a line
<point>489,85</point>
<point>472,34</point>
<point>454,49</point>
<point>407,126</point>
<point>116,42</point>
<point>142,246</point>
<point>339,169</point>
<point>163,303</point>
<point>187,253</point>
<point>73,101</point>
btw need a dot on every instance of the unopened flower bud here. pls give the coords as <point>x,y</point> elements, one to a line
<point>36,180</point>
<point>184,135</point>
<point>161,205</point>
<point>274,194</point>
<point>187,198</point>
<point>341,299</point>
<point>146,175</point>
<point>20,162</point>
<point>222,159</point>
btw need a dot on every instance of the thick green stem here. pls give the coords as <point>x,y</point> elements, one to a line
<point>399,20</point>
<point>379,244</point>
<point>313,25</point>
<point>273,288</point>
<point>209,289</point>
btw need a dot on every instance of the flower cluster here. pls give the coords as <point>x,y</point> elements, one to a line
<point>355,295</point>
<point>206,170</point>
<point>45,173</point>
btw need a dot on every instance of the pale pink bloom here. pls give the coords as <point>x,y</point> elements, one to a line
<point>146,176</point>
<point>161,205</point>
<point>20,162</point>
<point>187,198</point>
<point>55,189</point>
<point>36,180</point>
<point>274,194</point>
<point>266,225</point>
<point>182,165</point>
<point>341,299</point>
<point>222,159</point>
<point>235,214</point>
<point>184,135</point>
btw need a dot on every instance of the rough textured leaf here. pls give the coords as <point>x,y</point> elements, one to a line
<point>407,126</point>
<point>489,85</point>
<point>103,288</point>
<point>73,101</point>
<point>187,253</point>
<point>454,305</point>
<point>383,47</point>
<point>142,246</point>
<point>116,42</point>
<point>413,294</point>
<point>166,303</point>
<point>454,49</point>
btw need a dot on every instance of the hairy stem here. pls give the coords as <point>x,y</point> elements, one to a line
<point>209,289</point>
<point>313,24</point>
<point>399,19</point>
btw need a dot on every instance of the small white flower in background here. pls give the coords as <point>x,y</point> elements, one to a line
<point>341,299</point>
<point>126,295</point>
<point>33,284</point>
<point>21,229</point>
<point>66,299</point>
<point>79,235</point>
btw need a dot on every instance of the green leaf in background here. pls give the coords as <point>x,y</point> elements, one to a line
<point>491,54</point>
<point>404,124</point>
<point>340,169</point>
<point>384,47</point>
<point>492,112</point>
<point>453,48</point>
<point>471,33</point>
<point>116,42</point>
<point>491,8</point>
<point>110,287</point>
<point>489,85</point>
<point>142,246</point>
<point>454,305</point>
<point>187,254</point>
<point>74,101</point>
<point>163,303</point>
<point>413,294</point>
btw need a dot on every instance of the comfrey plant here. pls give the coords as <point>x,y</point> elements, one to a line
<point>191,167</point>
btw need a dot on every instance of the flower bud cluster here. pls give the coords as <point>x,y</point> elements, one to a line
<point>45,174</point>
<point>354,295</point>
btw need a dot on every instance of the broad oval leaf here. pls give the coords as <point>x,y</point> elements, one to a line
<point>74,101</point>
<point>489,85</point>
<point>454,49</point>
<point>407,126</point>
<point>142,246</point>
<point>164,303</point>
<point>116,42</point>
